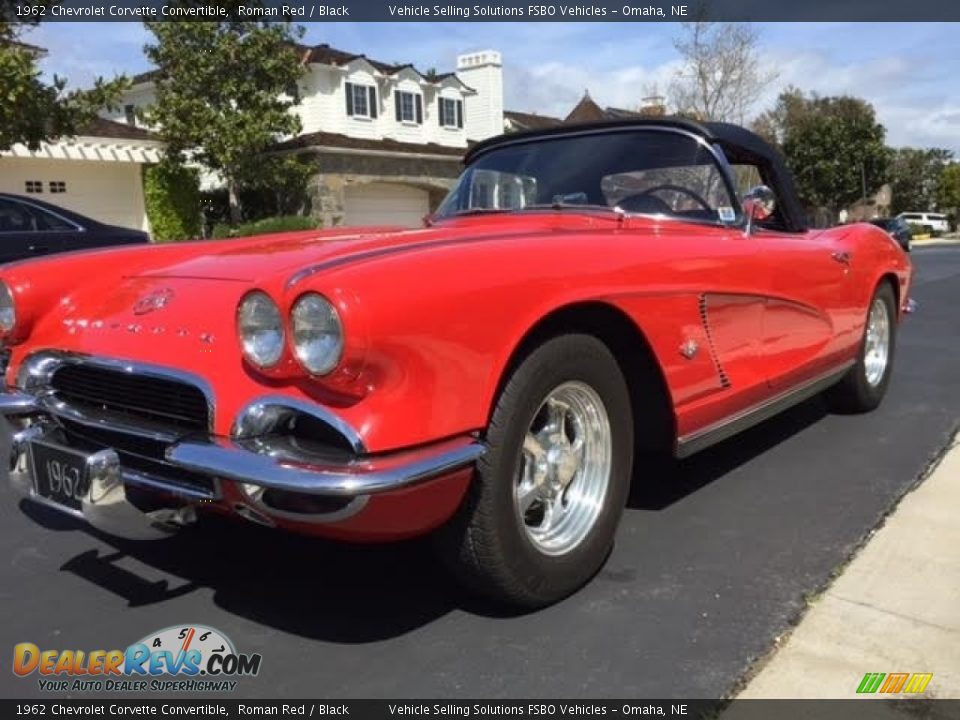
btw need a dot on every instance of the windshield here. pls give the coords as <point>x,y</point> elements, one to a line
<point>638,171</point>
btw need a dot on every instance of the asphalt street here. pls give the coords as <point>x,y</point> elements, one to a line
<point>714,560</point>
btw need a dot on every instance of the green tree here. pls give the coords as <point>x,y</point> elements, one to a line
<point>833,145</point>
<point>915,178</point>
<point>222,94</point>
<point>948,191</point>
<point>32,110</point>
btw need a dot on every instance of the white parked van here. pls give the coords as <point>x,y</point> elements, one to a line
<point>937,222</point>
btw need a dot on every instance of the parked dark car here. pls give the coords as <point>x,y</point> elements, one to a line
<point>898,228</point>
<point>30,227</point>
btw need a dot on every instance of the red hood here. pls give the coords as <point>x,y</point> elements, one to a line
<point>257,259</point>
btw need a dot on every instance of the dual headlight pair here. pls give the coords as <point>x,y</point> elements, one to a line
<point>317,333</point>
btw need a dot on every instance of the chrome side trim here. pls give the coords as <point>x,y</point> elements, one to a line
<point>314,475</point>
<point>262,415</point>
<point>730,426</point>
<point>36,371</point>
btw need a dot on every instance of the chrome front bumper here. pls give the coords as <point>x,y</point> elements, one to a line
<point>105,505</point>
<point>256,463</point>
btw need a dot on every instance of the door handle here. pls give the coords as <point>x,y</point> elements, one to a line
<point>842,257</point>
<point>38,249</point>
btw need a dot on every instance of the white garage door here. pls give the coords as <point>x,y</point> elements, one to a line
<point>109,192</point>
<point>386,204</point>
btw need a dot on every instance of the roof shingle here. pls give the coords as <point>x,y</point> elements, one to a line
<point>336,140</point>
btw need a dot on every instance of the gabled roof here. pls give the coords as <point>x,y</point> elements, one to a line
<point>586,111</point>
<point>324,54</point>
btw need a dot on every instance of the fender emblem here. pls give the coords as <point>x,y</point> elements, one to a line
<point>155,300</point>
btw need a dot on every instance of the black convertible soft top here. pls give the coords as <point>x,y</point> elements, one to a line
<point>739,145</point>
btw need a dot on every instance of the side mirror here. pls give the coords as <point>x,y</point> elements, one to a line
<point>758,204</point>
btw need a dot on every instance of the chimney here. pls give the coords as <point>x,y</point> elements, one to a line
<point>483,72</point>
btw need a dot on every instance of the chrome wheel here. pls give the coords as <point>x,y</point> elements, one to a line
<point>565,469</point>
<point>876,352</point>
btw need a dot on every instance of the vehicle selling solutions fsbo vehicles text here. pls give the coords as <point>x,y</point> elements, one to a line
<point>533,11</point>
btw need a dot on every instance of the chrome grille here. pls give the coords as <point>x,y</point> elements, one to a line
<point>160,401</point>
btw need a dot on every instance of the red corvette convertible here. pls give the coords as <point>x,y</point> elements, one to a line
<point>584,296</point>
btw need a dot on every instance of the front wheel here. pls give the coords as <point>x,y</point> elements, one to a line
<point>543,511</point>
<point>865,384</point>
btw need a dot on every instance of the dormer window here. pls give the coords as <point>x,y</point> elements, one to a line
<point>409,107</point>
<point>361,100</point>
<point>451,113</point>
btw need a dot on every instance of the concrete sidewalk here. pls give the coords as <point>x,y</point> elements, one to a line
<point>894,609</point>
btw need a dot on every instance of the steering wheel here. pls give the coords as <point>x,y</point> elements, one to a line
<point>648,198</point>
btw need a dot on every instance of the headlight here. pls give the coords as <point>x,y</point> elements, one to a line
<point>260,328</point>
<point>8,312</point>
<point>317,334</point>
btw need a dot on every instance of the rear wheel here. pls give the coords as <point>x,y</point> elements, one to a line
<point>543,511</point>
<point>865,384</point>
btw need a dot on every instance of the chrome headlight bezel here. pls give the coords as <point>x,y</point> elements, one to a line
<point>317,334</point>
<point>261,330</point>
<point>8,310</point>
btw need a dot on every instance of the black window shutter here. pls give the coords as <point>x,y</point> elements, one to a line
<point>349,87</point>
<point>440,111</point>
<point>373,101</point>
<point>419,99</point>
<point>459,113</point>
<point>396,97</point>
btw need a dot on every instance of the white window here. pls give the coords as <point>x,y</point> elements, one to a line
<point>361,100</point>
<point>409,107</point>
<point>451,113</point>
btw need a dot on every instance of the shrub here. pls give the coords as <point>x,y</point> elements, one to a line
<point>282,223</point>
<point>172,198</point>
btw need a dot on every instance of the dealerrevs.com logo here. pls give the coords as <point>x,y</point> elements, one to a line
<point>187,658</point>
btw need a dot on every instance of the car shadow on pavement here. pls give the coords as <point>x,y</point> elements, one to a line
<point>662,480</point>
<point>349,593</point>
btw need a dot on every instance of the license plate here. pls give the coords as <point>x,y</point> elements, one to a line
<point>59,475</point>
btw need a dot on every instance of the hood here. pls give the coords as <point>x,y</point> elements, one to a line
<point>256,259</point>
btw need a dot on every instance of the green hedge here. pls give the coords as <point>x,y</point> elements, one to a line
<point>172,195</point>
<point>282,223</point>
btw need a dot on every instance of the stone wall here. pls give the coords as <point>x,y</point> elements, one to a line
<point>336,172</point>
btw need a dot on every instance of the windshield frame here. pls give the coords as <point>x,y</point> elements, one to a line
<point>715,152</point>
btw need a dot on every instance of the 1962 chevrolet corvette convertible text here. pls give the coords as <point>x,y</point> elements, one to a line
<point>584,296</point>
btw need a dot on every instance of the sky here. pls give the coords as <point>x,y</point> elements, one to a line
<point>910,72</point>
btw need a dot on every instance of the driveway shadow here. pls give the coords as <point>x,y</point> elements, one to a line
<point>353,593</point>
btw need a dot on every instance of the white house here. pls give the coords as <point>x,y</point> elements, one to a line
<point>387,139</point>
<point>97,173</point>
